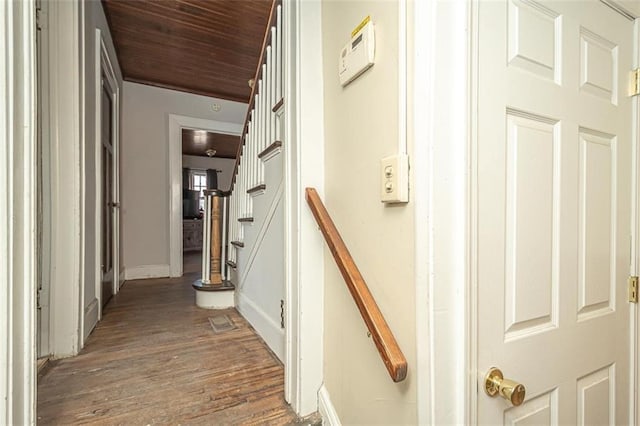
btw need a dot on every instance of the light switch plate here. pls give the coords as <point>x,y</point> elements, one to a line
<point>394,179</point>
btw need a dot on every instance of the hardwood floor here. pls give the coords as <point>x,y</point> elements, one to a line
<point>192,262</point>
<point>154,359</point>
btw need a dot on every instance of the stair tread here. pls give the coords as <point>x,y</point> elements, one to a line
<point>278,105</point>
<point>274,146</point>
<point>257,188</point>
<point>225,286</point>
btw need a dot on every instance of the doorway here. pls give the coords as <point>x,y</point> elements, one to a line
<point>107,200</point>
<point>554,168</point>
<point>108,256</point>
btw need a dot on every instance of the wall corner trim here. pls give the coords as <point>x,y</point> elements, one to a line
<point>326,408</point>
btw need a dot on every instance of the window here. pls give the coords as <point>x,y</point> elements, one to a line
<point>199,183</point>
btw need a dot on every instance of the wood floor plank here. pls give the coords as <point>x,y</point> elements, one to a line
<point>154,359</point>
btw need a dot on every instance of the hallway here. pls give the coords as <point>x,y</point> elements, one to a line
<point>155,359</point>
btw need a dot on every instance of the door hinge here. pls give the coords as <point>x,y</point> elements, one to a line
<point>281,313</point>
<point>38,294</point>
<point>634,82</point>
<point>633,289</point>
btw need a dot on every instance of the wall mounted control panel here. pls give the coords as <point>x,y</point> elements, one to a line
<point>357,56</point>
<point>394,179</point>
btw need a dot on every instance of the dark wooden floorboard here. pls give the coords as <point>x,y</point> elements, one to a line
<point>154,359</point>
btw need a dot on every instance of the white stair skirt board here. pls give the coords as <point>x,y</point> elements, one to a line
<point>215,299</point>
<point>270,331</point>
<point>146,271</point>
<point>326,408</point>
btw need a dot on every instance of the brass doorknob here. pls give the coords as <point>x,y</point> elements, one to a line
<point>495,384</point>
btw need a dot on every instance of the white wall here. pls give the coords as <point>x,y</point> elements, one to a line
<point>227,165</point>
<point>145,166</point>
<point>362,126</point>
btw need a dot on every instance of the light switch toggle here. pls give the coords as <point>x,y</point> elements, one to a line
<point>394,179</point>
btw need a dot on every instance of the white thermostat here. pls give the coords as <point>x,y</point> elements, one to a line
<point>357,56</point>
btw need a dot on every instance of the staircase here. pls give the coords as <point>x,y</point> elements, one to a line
<point>255,256</point>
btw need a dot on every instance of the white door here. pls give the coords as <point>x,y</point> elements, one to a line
<point>554,168</point>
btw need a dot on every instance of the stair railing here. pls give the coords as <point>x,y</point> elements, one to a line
<point>382,335</point>
<point>260,131</point>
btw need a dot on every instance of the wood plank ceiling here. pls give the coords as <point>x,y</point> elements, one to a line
<point>197,142</point>
<point>207,47</point>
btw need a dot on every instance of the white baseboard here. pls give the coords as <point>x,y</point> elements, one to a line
<point>146,271</point>
<point>90,318</point>
<point>268,329</point>
<point>326,408</point>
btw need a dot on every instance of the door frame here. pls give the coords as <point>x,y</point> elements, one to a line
<point>103,65</point>
<point>448,342</point>
<point>303,167</point>
<point>18,226</point>
<point>175,125</point>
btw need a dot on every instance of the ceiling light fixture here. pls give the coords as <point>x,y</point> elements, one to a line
<point>210,152</point>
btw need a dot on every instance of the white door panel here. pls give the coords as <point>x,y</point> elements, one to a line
<point>554,200</point>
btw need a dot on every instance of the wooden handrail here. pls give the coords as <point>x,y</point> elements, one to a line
<point>386,343</point>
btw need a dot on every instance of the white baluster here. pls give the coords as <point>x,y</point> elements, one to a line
<point>268,100</point>
<point>272,86</point>
<point>263,134</point>
<point>279,70</point>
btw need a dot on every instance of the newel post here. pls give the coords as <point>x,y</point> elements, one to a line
<point>212,291</point>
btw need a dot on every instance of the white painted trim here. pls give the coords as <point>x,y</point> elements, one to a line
<point>423,40</point>
<point>97,157</point>
<point>83,175</point>
<point>268,329</point>
<point>304,167</point>
<point>18,194</point>
<point>446,385</point>
<point>44,182</point>
<point>91,314</point>
<point>635,223</point>
<point>63,111</point>
<point>327,410</point>
<point>635,213</point>
<point>146,271</point>
<point>175,125</point>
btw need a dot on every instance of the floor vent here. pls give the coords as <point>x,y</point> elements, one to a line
<point>221,323</point>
